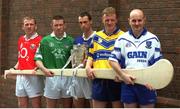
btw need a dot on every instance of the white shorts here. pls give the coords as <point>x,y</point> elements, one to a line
<point>31,86</point>
<point>56,87</point>
<point>84,88</point>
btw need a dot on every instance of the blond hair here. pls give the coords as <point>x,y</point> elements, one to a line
<point>28,18</point>
<point>109,10</point>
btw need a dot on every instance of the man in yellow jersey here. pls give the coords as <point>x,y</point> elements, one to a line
<point>103,90</point>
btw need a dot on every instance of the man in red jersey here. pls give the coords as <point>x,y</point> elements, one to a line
<point>28,86</point>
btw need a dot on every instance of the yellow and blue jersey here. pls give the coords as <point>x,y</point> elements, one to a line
<point>101,47</point>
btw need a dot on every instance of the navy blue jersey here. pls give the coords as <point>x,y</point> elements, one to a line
<point>81,40</point>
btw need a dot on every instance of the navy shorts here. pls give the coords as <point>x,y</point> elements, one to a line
<point>137,94</point>
<point>106,90</point>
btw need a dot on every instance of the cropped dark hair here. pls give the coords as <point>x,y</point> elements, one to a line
<point>85,14</point>
<point>58,17</point>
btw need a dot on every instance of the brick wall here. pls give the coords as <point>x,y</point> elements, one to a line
<point>0,30</point>
<point>15,10</point>
<point>7,94</point>
<point>43,12</point>
<point>4,33</point>
<point>162,20</point>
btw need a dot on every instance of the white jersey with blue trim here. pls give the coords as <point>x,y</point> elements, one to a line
<point>132,52</point>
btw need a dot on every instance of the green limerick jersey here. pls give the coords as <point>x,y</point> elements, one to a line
<point>54,52</point>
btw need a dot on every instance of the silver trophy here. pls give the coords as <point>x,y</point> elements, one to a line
<point>78,55</point>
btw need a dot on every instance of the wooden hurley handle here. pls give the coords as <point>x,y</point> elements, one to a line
<point>159,75</point>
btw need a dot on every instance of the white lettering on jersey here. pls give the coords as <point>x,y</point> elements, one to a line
<point>23,52</point>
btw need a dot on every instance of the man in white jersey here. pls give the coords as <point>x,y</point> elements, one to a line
<point>137,48</point>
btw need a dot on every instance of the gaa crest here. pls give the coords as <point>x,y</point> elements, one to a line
<point>148,44</point>
<point>51,44</point>
<point>128,44</point>
<point>32,46</point>
<point>99,40</point>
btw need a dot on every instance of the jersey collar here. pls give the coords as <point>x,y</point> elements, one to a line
<point>142,33</point>
<point>32,37</point>
<point>89,36</point>
<point>114,32</point>
<point>53,35</point>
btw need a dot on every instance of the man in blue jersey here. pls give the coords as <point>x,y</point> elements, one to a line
<point>137,48</point>
<point>84,84</point>
<point>104,91</point>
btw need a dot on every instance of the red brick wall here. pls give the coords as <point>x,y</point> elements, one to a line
<point>15,10</point>
<point>0,32</point>
<point>162,20</point>
<point>7,93</point>
<point>4,33</point>
<point>43,12</point>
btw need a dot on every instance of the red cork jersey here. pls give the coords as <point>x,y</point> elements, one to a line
<point>26,51</point>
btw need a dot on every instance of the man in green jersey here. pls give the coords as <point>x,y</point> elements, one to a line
<point>53,52</point>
